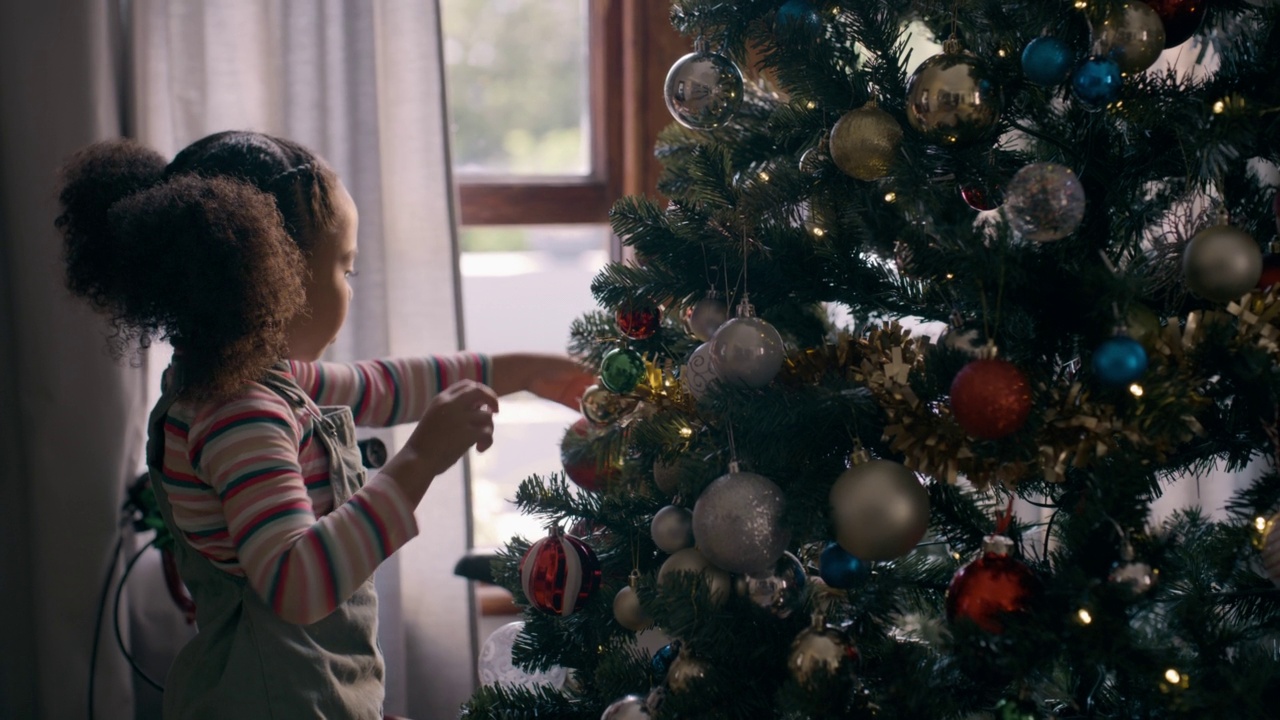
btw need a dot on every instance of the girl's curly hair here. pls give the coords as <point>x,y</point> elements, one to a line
<point>208,251</point>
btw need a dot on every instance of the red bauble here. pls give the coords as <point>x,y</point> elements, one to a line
<point>990,398</point>
<point>991,586</point>
<point>584,467</point>
<point>1270,271</point>
<point>980,198</point>
<point>1180,18</point>
<point>559,573</point>
<point>638,321</point>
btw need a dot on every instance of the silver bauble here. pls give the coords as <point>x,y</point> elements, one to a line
<point>1044,201</point>
<point>689,560</point>
<point>1132,35</point>
<point>667,476</point>
<point>1136,577</point>
<point>629,707</point>
<point>1221,263</point>
<point>698,372</point>
<point>628,612</point>
<point>603,407</point>
<point>747,350</point>
<point>706,316</point>
<point>817,654</point>
<point>965,339</point>
<point>737,522</point>
<point>686,672</point>
<point>780,590</point>
<point>672,529</point>
<point>703,90</point>
<point>879,509</point>
<point>952,98</point>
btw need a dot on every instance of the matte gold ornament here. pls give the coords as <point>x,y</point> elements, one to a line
<point>951,98</point>
<point>1132,35</point>
<point>627,610</point>
<point>879,509</point>
<point>864,142</point>
<point>1221,263</point>
<point>717,581</point>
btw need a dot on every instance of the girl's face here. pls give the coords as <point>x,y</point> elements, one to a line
<point>331,264</point>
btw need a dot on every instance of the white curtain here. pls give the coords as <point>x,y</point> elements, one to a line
<point>357,80</point>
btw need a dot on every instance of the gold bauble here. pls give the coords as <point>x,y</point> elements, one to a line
<point>951,98</point>
<point>864,142</point>
<point>1132,35</point>
<point>1143,324</point>
<point>603,407</point>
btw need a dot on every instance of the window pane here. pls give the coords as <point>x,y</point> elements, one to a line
<point>521,289</point>
<point>516,75</point>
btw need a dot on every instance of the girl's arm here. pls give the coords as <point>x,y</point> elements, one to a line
<point>553,377</point>
<point>388,391</point>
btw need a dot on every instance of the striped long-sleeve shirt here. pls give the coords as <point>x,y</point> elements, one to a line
<point>249,482</point>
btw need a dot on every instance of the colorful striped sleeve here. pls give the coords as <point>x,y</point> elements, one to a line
<point>303,566</point>
<point>389,391</point>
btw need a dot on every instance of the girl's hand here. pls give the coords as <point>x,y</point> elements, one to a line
<point>458,417</point>
<point>557,378</point>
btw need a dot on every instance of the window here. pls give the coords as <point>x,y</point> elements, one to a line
<point>554,106</point>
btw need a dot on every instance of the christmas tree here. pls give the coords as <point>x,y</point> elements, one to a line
<point>915,263</point>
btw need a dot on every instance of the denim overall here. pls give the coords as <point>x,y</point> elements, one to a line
<point>246,663</point>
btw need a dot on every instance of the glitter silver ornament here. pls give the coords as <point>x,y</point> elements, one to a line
<point>879,509</point>
<point>699,371</point>
<point>703,90</point>
<point>747,350</point>
<point>737,522</point>
<point>818,654</point>
<point>672,529</point>
<point>687,671</point>
<point>706,316</point>
<point>689,560</point>
<point>1132,35</point>
<point>629,707</point>
<point>1221,263</point>
<point>667,476</point>
<point>1044,201</point>
<point>628,612</point>
<point>780,590</point>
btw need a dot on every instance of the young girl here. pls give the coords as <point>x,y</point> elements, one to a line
<point>239,252</point>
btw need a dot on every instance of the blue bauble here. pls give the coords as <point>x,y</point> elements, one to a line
<point>662,660</point>
<point>1120,360</point>
<point>1047,61</point>
<point>1096,82</point>
<point>798,16</point>
<point>841,570</point>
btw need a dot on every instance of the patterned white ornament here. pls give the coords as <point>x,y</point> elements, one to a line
<point>495,663</point>
<point>698,372</point>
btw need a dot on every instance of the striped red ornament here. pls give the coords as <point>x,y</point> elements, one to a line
<point>559,573</point>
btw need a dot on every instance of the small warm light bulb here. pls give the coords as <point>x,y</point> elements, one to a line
<point>955,555</point>
<point>818,232</point>
<point>950,276</point>
<point>1260,523</point>
<point>1219,107</point>
<point>764,176</point>
<point>1173,676</point>
<point>1081,4</point>
<point>1084,616</point>
<point>1135,390</point>
<point>890,197</point>
<point>811,105</point>
<point>1002,52</point>
<point>686,432</point>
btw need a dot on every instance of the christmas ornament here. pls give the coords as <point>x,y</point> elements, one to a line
<point>1132,34</point>
<point>982,198</point>
<point>1221,263</point>
<point>990,586</point>
<point>662,660</point>
<point>798,17</point>
<point>990,398</point>
<point>627,610</point>
<point>1181,18</point>
<point>559,573</point>
<point>628,707</point>
<point>666,477</point>
<point>621,369</point>
<point>1136,577</point>
<point>672,529</point>
<point>706,316</point>
<point>1271,549</point>
<point>951,97</point>
<point>495,664</point>
<point>1047,60</point>
<point>819,655</point>
<point>1143,324</point>
<point>717,581</point>
<point>1096,82</point>
<point>737,522</point>
<point>686,672</point>
<point>698,372</point>
<point>638,321</point>
<point>841,570</point>
<point>602,407</point>
<point>746,349</point>
<point>1119,360</point>
<point>780,590</point>
<point>1044,202</point>
<point>703,90</point>
<point>864,142</point>
<point>879,509</point>
<point>1012,709</point>
<point>586,469</point>
<point>965,337</point>
<point>1270,266</point>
